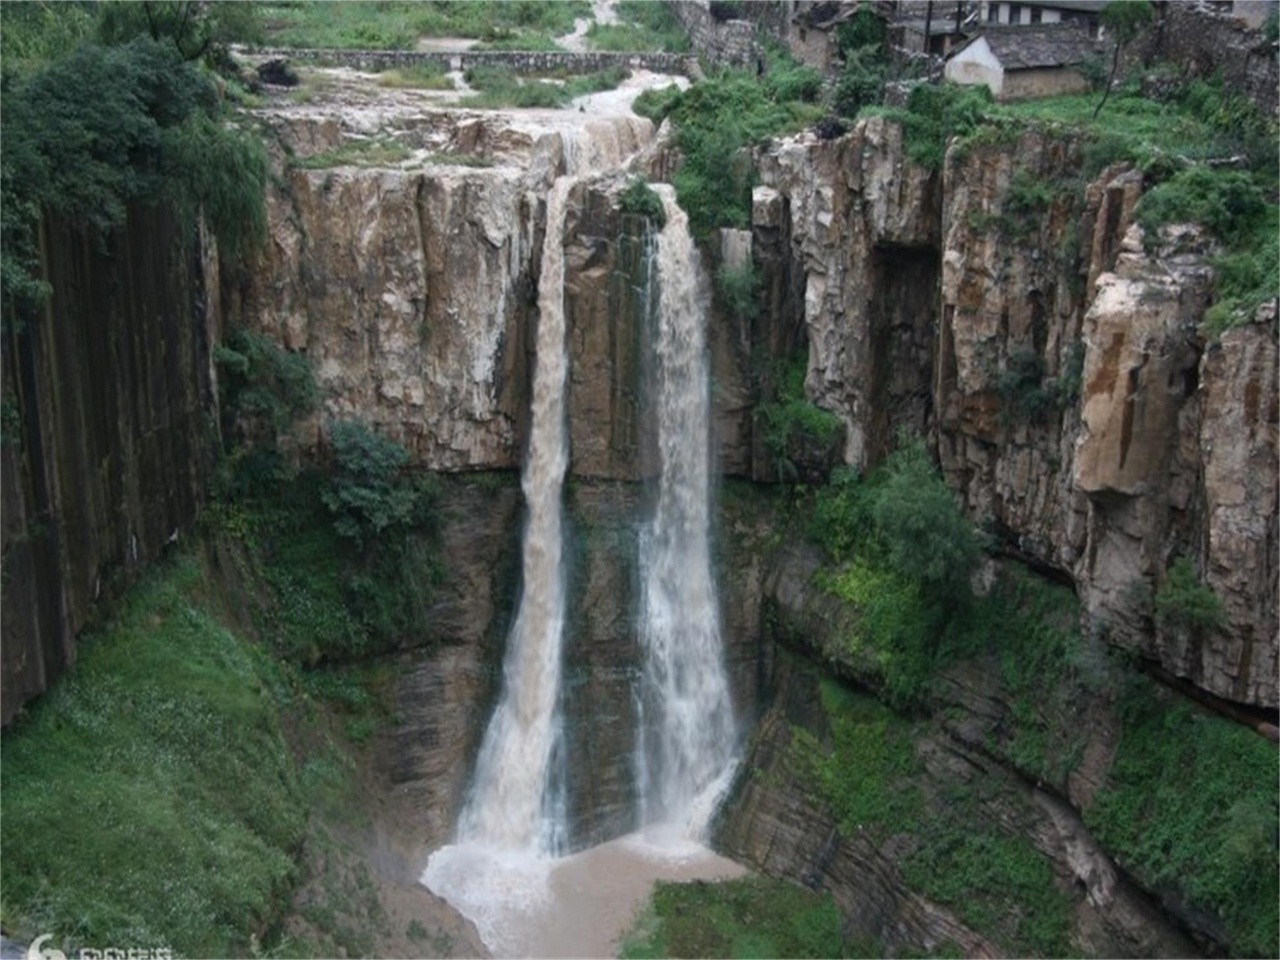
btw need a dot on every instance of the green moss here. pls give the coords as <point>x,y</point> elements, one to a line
<point>751,917</point>
<point>149,798</point>
<point>789,421</point>
<point>1191,807</point>
<point>640,200</point>
<point>367,152</point>
<point>958,855</point>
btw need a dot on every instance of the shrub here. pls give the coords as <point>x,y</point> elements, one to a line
<point>656,102</point>
<point>264,387</point>
<point>740,289</point>
<point>640,200</point>
<point>367,492</point>
<point>1227,202</point>
<point>1183,602</point>
<point>927,538</point>
<point>792,425</point>
<point>108,126</point>
<point>935,114</point>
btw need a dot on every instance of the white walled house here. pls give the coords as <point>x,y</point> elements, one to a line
<point>1017,63</point>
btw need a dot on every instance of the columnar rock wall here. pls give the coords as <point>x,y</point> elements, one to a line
<point>109,435</point>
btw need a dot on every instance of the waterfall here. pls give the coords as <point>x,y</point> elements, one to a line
<point>511,807</point>
<point>685,749</point>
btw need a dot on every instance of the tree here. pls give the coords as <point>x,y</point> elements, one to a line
<point>1124,20</point>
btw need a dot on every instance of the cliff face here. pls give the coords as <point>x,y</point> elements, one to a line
<point>1055,364</point>
<point>110,431</point>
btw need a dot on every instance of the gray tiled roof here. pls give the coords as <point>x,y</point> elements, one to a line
<point>1043,45</point>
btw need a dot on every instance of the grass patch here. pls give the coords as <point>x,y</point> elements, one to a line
<point>397,24</point>
<point>1191,807</point>
<point>423,77</point>
<point>149,798</point>
<point>642,27</point>
<point>372,152</point>
<point>498,88</point>
<point>958,855</point>
<point>750,917</point>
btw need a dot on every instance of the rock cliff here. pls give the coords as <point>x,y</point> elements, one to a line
<point>1055,363</point>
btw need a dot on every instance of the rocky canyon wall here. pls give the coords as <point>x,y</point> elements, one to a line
<point>110,431</point>
<point>1012,313</point>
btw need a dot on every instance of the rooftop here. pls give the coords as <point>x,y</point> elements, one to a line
<point>1037,46</point>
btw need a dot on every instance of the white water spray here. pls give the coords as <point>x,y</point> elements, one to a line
<point>510,807</point>
<point>686,746</point>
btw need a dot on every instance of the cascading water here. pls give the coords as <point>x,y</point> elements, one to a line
<point>495,874</point>
<point>501,873</point>
<point>687,737</point>
<point>510,806</point>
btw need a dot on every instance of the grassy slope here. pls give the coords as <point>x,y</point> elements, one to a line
<point>149,797</point>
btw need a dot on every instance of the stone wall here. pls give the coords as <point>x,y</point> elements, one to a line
<point>1202,43</point>
<point>522,62</point>
<point>722,42</point>
<point>111,392</point>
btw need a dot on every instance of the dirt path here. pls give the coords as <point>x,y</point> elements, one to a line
<point>601,12</point>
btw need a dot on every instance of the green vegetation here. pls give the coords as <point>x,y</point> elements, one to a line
<point>92,130</point>
<point>1183,602</point>
<point>264,386</point>
<point>149,797</point>
<point>868,773</point>
<point>421,77</point>
<point>906,553</point>
<point>642,26</point>
<point>1025,392</point>
<point>364,152</point>
<point>751,917</point>
<point>1191,806</point>
<point>1169,141</point>
<point>1123,21</point>
<point>958,855</point>
<point>498,88</point>
<point>739,289</point>
<point>717,122</point>
<point>862,41</point>
<point>397,24</point>
<point>640,200</point>
<point>790,423</point>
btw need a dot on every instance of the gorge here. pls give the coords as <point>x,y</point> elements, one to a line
<point>646,592</point>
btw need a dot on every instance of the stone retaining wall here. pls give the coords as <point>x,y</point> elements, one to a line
<point>524,62</point>
<point>724,43</point>
<point>1203,42</point>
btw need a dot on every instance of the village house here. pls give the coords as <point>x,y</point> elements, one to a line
<point>1020,62</point>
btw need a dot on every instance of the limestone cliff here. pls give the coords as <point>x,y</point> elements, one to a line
<point>1012,313</point>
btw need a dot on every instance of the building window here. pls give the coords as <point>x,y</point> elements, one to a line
<point>1035,14</point>
<point>1015,13</point>
<point>993,13</point>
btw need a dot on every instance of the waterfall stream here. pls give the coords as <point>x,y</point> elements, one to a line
<point>687,735</point>
<point>511,807</point>
<point>502,873</point>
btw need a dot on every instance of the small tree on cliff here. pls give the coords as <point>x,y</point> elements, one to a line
<point>1124,20</point>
